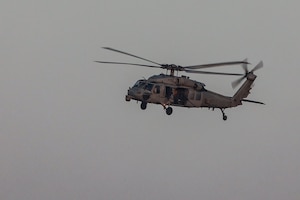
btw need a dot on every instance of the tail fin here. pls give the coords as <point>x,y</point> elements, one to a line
<point>244,90</point>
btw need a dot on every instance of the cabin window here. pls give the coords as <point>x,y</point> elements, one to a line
<point>180,96</point>
<point>191,95</point>
<point>168,92</point>
<point>198,95</point>
<point>157,89</point>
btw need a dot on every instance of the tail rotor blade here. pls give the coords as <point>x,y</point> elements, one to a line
<point>234,84</point>
<point>258,66</point>
<point>244,65</point>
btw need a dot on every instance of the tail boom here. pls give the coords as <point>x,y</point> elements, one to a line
<point>244,90</point>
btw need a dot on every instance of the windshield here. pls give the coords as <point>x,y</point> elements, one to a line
<point>139,84</point>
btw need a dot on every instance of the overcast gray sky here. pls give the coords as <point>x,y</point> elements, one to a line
<point>66,131</point>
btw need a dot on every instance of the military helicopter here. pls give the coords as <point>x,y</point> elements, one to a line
<point>170,90</point>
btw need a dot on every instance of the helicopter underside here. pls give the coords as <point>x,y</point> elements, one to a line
<point>205,99</point>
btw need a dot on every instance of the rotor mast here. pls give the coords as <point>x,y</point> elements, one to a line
<point>172,68</point>
<point>172,72</point>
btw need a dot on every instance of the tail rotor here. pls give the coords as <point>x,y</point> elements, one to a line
<point>238,81</point>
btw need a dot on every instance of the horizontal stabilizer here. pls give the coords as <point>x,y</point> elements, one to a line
<point>251,101</point>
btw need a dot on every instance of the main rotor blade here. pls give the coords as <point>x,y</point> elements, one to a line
<point>251,101</point>
<point>115,50</point>
<point>122,63</point>
<point>216,64</point>
<point>212,73</point>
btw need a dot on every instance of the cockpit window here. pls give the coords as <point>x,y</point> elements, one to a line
<point>149,87</point>
<point>139,84</point>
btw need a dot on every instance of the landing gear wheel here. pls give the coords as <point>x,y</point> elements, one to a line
<point>224,116</point>
<point>169,110</point>
<point>143,105</point>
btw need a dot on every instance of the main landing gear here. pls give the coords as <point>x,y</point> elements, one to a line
<point>224,116</point>
<point>143,105</point>
<point>169,110</point>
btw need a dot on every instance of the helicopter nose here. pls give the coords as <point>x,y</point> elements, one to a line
<point>130,92</point>
<point>133,93</point>
<point>129,95</point>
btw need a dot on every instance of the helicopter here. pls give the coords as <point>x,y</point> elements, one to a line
<point>180,91</point>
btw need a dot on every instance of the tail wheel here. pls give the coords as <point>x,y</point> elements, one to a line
<point>169,110</point>
<point>224,116</point>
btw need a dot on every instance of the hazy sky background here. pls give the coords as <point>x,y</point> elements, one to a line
<point>66,131</point>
